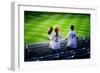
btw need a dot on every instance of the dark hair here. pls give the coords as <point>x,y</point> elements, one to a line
<point>72,27</point>
<point>50,30</point>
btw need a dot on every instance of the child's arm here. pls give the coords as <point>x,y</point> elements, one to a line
<point>67,36</point>
<point>76,36</point>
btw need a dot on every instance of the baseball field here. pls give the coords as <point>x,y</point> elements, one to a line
<point>36,25</point>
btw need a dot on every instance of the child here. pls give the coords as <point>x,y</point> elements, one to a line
<point>71,41</point>
<point>50,38</point>
<point>56,40</point>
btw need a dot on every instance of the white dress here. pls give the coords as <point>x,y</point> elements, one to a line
<point>72,42</point>
<point>55,41</point>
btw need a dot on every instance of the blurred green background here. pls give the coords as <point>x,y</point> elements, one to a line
<point>36,25</point>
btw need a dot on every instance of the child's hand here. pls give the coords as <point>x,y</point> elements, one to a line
<point>65,39</point>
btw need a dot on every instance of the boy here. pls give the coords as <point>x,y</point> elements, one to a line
<point>71,41</point>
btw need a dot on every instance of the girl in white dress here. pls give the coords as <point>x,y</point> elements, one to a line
<point>55,40</point>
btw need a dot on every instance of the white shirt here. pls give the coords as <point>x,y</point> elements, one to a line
<point>72,39</point>
<point>55,41</point>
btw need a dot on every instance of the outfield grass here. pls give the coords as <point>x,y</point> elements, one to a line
<point>36,25</point>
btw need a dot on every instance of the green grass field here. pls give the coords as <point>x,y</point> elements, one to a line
<point>36,25</point>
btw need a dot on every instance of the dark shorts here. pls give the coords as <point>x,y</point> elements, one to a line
<point>70,48</point>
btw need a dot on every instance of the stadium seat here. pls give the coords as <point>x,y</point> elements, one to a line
<point>41,51</point>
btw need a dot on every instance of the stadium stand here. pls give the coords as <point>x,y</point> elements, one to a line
<point>42,52</point>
